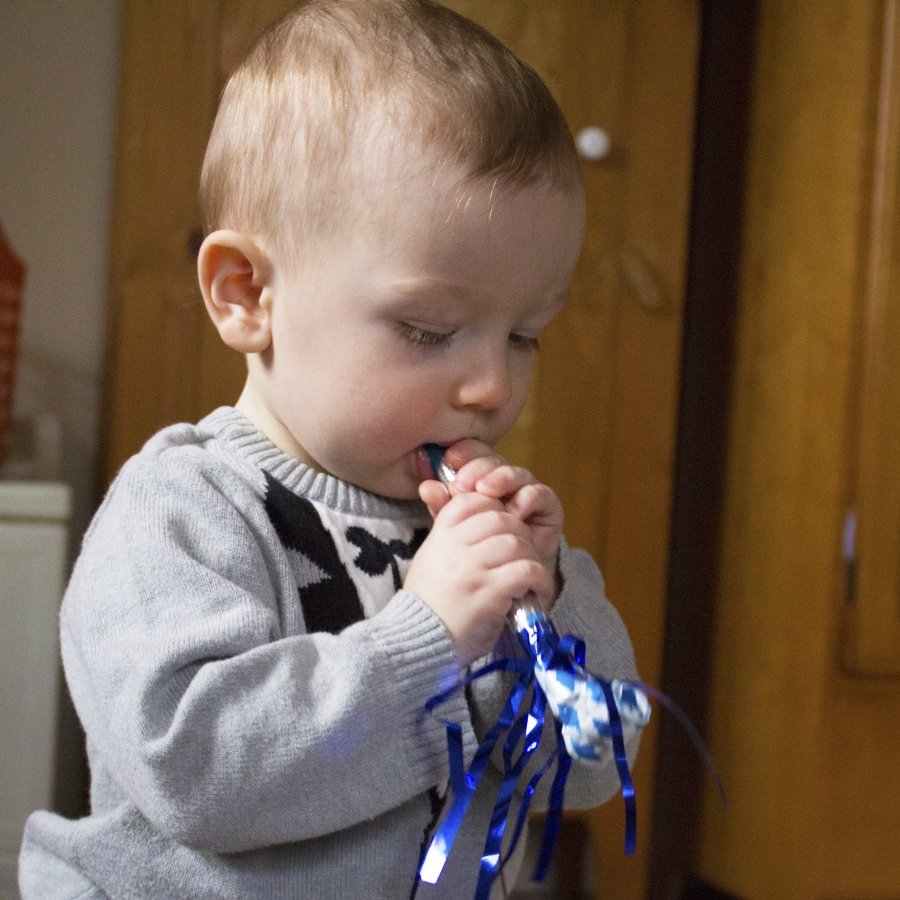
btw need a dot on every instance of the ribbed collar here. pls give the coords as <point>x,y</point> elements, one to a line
<point>243,438</point>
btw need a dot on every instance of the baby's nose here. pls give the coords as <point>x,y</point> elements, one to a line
<point>486,384</point>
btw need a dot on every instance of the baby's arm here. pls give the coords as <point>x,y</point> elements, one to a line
<point>204,704</point>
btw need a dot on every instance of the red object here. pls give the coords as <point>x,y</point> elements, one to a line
<point>12,279</point>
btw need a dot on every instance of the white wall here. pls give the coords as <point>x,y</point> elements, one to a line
<point>58,91</point>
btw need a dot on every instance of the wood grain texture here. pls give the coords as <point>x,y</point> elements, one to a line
<point>808,752</point>
<point>156,322</point>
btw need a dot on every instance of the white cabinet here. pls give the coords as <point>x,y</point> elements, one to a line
<point>33,545</point>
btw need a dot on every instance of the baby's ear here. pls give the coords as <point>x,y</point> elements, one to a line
<point>234,274</point>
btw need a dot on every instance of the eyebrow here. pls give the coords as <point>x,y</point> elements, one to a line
<point>421,295</point>
<point>415,286</point>
<point>410,289</point>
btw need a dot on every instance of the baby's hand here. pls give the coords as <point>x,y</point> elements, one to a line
<point>476,559</point>
<point>479,469</point>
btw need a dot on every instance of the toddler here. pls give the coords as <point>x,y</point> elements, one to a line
<point>266,600</point>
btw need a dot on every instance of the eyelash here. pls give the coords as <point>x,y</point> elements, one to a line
<point>423,338</point>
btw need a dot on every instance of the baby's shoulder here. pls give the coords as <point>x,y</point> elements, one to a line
<point>186,463</point>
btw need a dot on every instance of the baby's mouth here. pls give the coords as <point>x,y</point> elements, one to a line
<point>422,467</point>
<point>443,471</point>
<point>428,464</point>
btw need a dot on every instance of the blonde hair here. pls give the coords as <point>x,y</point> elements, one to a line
<point>301,105</point>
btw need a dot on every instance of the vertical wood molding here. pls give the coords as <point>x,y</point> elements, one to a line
<point>872,641</point>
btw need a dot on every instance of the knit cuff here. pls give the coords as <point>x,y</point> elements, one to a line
<point>422,665</point>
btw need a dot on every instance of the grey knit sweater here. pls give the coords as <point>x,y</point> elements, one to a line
<point>251,676</point>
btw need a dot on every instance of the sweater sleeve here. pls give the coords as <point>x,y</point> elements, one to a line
<point>225,732</point>
<point>582,610</point>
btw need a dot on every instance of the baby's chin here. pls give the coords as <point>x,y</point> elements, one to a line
<point>400,480</point>
<point>390,492</point>
<point>403,485</point>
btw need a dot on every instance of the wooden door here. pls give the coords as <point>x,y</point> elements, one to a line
<point>601,421</point>
<point>805,694</point>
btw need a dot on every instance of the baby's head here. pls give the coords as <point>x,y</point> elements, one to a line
<point>334,85</point>
<point>395,212</point>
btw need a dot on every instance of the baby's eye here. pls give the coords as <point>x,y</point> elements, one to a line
<point>422,337</point>
<point>524,341</point>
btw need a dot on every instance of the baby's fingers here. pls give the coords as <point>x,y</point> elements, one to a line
<point>503,481</point>
<point>465,451</point>
<point>473,471</point>
<point>434,495</point>
<point>526,578</point>
<point>536,504</point>
<point>459,507</point>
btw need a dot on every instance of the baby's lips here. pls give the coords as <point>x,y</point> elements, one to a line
<point>443,471</point>
<point>440,469</point>
<point>422,463</point>
<point>434,457</point>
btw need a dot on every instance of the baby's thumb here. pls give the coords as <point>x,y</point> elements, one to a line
<point>434,495</point>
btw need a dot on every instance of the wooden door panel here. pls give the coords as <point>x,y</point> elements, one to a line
<point>807,745</point>
<point>650,249</point>
<point>169,89</point>
<point>600,423</point>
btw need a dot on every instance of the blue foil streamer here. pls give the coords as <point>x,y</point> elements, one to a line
<point>466,784</point>
<point>618,739</point>
<point>525,727</point>
<point>565,652</point>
